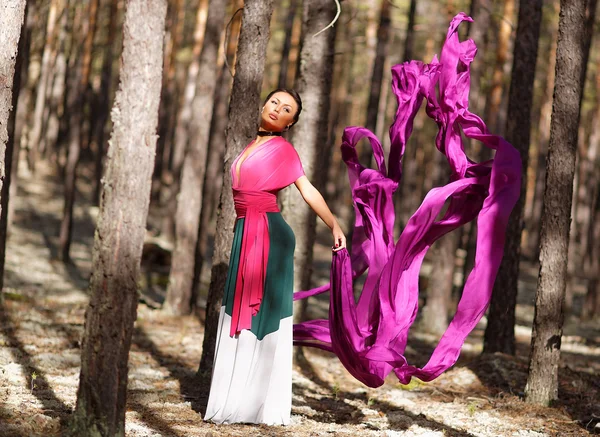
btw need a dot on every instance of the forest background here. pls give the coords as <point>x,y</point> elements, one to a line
<point>529,368</point>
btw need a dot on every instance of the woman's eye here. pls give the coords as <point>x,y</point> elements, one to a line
<point>273,101</point>
<point>287,110</point>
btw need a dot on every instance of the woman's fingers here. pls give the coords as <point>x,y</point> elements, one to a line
<point>339,242</point>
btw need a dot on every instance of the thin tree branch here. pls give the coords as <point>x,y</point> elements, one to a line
<point>337,15</point>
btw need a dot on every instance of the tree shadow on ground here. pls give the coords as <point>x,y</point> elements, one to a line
<point>150,418</point>
<point>190,384</point>
<point>506,374</point>
<point>47,225</point>
<point>52,405</point>
<point>334,408</point>
<point>9,430</point>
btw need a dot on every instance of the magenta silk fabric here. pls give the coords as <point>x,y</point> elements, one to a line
<point>267,169</point>
<point>369,335</point>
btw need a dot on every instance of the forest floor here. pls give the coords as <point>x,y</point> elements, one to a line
<point>41,324</point>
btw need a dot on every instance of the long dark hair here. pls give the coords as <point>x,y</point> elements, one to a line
<point>294,95</point>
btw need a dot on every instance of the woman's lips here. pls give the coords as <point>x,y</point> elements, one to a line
<point>272,116</point>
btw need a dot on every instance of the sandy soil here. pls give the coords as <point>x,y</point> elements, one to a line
<point>41,325</point>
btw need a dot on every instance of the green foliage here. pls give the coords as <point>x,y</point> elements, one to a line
<point>412,385</point>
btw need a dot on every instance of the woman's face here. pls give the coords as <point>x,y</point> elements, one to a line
<point>278,112</point>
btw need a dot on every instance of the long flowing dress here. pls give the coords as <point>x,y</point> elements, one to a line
<point>252,373</point>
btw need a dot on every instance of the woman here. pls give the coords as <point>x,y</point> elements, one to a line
<point>252,373</point>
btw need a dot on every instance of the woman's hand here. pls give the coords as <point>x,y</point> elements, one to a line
<point>339,239</point>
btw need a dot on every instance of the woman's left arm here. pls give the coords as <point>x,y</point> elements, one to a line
<point>315,200</point>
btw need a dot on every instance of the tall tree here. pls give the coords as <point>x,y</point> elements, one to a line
<point>26,87</point>
<point>189,200</point>
<point>410,31</point>
<point>493,102</point>
<point>500,332</point>
<point>213,179</point>
<point>189,91</point>
<point>181,127</point>
<point>443,251</point>
<point>309,137</point>
<point>241,129</point>
<point>12,13</point>
<point>481,11</point>
<point>537,176</point>
<point>77,84</point>
<point>121,227</point>
<point>381,52</point>
<point>102,102</point>
<point>287,44</point>
<point>571,59</point>
<point>56,10</point>
<point>169,101</point>
<point>590,181</point>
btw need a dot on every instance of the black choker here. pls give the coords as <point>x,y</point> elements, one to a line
<point>264,133</point>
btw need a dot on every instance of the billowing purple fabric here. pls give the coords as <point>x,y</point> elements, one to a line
<point>369,335</point>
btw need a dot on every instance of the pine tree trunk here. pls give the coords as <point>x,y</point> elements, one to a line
<point>442,257</point>
<point>121,227</point>
<point>213,180</point>
<point>189,200</point>
<point>409,40</point>
<point>500,330</point>
<point>49,57</point>
<point>54,129</point>
<point>162,176</point>
<point>287,44</point>
<point>590,179</point>
<point>185,111</point>
<point>494,99</point>
<point>241,129</point>
<point>102,107</point>
<point>572,48</point>
<point>77,82</point>
<point>439,288</point>
<point>309,136</point>
<point>481,11</point>
<point>536,179</point>
<point>12,13</point>
<point>23,102</point>
<point>182,127</point>
<point>381,52</point>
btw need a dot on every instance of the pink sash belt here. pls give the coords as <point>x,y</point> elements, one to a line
<point>254,255</point>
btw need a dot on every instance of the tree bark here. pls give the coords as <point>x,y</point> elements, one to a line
<point>590,179</point>
<point>309,136</point>
<point>381,52</point>
<point>12,14</point>
<point>481,11</point>
<point>213,180</point>
<point>181,129</point>
<point>493,114</point>
<point>49,57</point>
<point>287,44</point>
<point>21,111</point>
<point>163,176</point>
<point>102,106</point>
<point>241,129</point>
<point>410,32</point>
<point>572,48</point>
<point>500,330</point>
<point>77,84</point>
<point>184,115</point>
<point>536,179</point>
<point>121,227</point>
<point>189,200</point>
<point>442,257</point>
